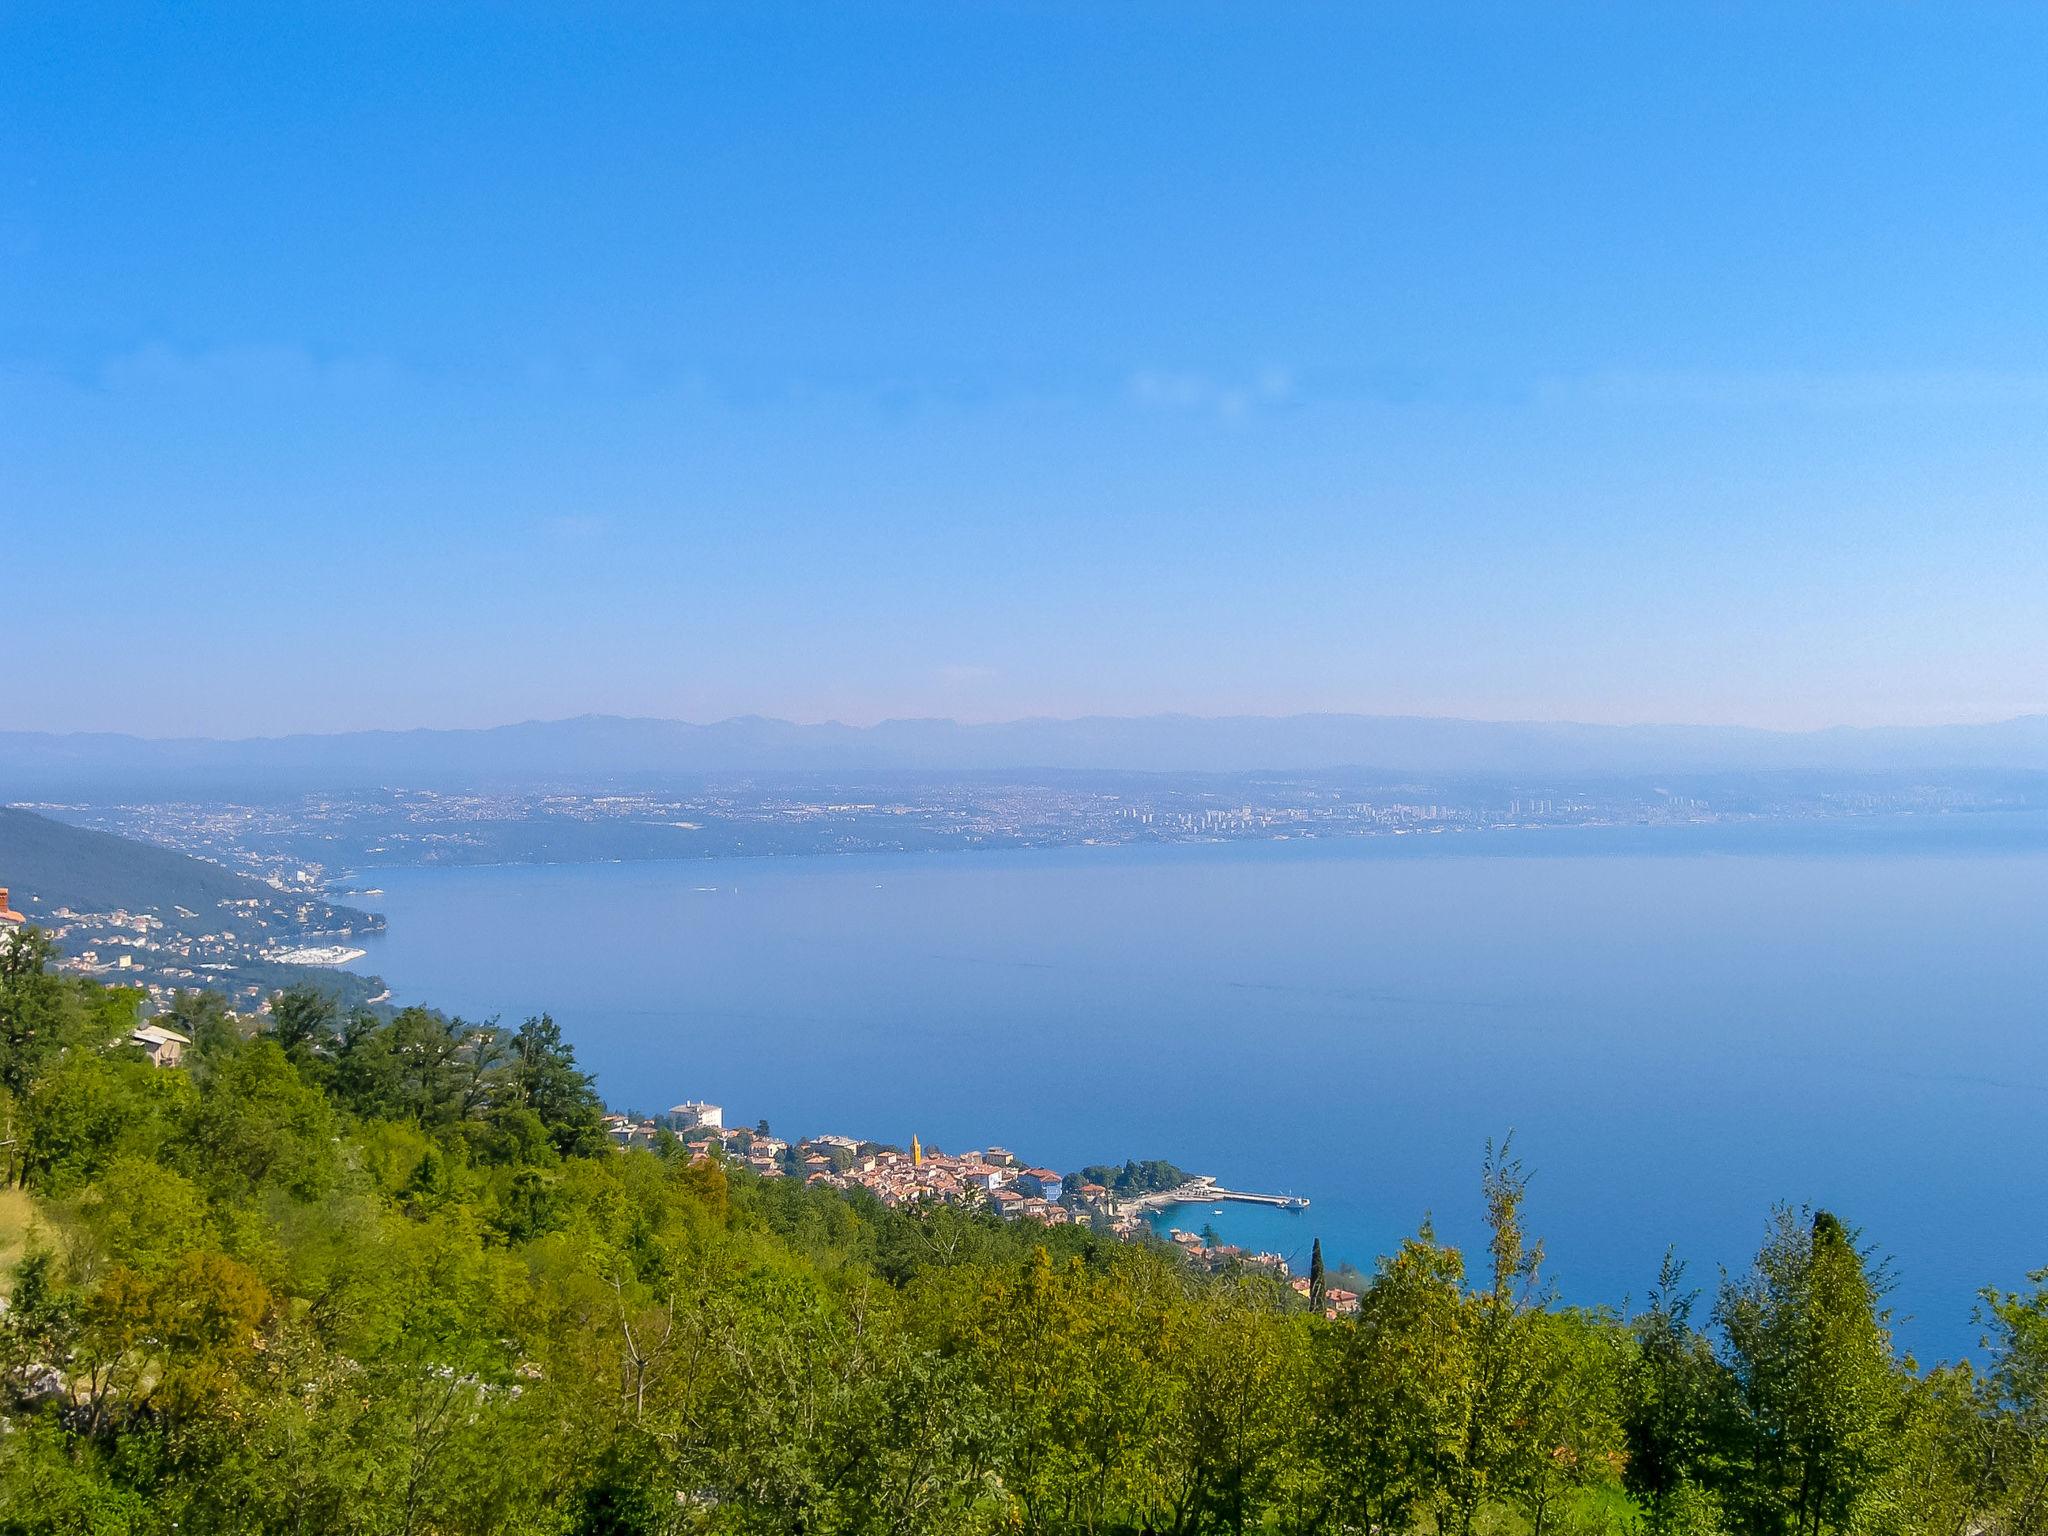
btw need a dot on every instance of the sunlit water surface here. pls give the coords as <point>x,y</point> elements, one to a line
<point>1680,1027</point>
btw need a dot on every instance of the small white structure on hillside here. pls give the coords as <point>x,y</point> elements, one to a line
<point>165,1047</point>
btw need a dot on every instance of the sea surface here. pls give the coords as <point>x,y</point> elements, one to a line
<point>1679,1027</point>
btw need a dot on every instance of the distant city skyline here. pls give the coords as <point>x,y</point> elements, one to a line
<point>368,367</point>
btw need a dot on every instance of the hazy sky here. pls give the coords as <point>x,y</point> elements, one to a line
<point>450,365</point>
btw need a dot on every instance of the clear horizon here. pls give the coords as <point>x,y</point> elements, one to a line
<point>863,725</point>
<point>361,367</point>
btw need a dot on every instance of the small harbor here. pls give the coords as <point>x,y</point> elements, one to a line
<point>1205,1190</point>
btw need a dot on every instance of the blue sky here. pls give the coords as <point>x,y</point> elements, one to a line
<point>450,365</point>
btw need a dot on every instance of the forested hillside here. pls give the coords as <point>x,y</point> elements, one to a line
<point>51,864</point>
<point>367,1275</point>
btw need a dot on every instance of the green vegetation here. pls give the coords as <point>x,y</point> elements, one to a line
<point>1151,1177</point>
<point>54,864</point>
<point>200,914</point>
<point>347,1274</point>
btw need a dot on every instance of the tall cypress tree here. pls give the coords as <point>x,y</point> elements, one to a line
<point>1318,1293</point>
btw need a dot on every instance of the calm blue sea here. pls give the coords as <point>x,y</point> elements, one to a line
<point>1680,1027</point>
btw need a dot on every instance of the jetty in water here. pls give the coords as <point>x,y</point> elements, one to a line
<point>1198,1190</point>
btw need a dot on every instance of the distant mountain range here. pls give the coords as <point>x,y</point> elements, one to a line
<point>609,747</point>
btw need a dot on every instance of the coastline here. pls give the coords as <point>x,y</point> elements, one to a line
<point>1353,1020</point>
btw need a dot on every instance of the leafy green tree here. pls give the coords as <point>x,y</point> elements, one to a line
<point>920,1444</point>
<point>423,1066</point>
<point>1676,1419</point>
<point>255,1124</point>
<point>789,1371</point>
<point>1074,1356</point>
<point>1504,1450</point>
<point>1240,1377</point>
<point>530,1207</point>
<point>626,1495</point>
<point>2016,1395</point>
<point>50,1483</point>
<point>203,1018</point>
<point>364,1078</point>
<point>90,1108</point>
<point>142,1215</point>
<point>173,1345</point>
<point>1399,1391</point>
<point>1133,1178</point>
<point>1937,1485</point>
<point>34,1007</point>
<point>418,1066</point>
<point>512,1136</point>
<point>480,1074</point>
<point>306,1024</point>
<point>40,1323</point>
<point>1572,1441</point>
<point>547,1081</point>
<point>378,1280</point>
<point>1816,1383</point>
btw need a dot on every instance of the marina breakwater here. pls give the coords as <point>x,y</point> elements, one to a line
<point>1205,1190</point>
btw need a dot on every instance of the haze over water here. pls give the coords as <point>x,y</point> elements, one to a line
<point>1680,1027</point>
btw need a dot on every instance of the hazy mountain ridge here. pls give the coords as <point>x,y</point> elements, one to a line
<point>612,745</point>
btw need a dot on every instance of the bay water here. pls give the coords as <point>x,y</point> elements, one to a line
<point>1679,1027</point>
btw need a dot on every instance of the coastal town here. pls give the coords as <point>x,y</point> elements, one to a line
<point>245,963</point>
<point>140,915</point>
<point>328,843</point>
<point>992,1179</point>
